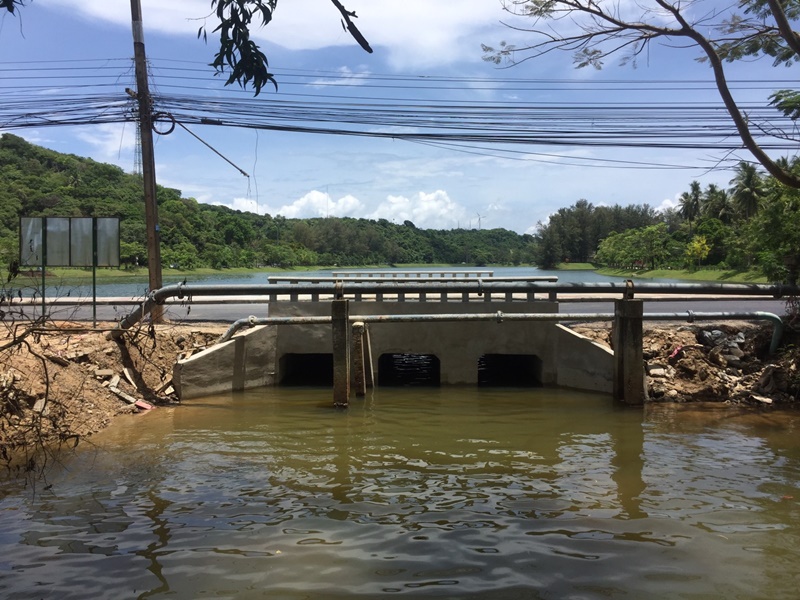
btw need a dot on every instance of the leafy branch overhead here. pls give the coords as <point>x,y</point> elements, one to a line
<point>239,56</point>
<point>10,5</point>
<point>596,30</point>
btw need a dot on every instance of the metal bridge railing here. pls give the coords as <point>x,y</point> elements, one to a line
<point>399,274</point>
<point>421,291</point>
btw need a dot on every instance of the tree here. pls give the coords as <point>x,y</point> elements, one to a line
<point>691,203</point>
<point>697,250</point>
<point>549,251</point>
<point>238,54</point>
<point>775,237</point>
<point>717,204</point>
<point>747,189</point>
<point>595,30</point>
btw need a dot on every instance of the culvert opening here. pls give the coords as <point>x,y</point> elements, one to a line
<point>397,370</point>
<point>510,370</point>
<point>314,370</point>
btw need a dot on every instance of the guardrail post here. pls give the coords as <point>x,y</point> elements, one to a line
<point>629,380</point>
<point>340,314</point>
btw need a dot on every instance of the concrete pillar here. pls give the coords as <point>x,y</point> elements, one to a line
<point>340,313</point>
<point>629,372</point>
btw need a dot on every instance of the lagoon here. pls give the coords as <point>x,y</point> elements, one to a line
<point>422,493</point>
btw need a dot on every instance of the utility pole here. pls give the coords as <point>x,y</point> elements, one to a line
<point>148,158</point>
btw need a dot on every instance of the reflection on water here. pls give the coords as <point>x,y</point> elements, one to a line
<point>443,493</point>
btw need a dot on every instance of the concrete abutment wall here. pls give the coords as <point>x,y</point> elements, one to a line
<point>254,358</point>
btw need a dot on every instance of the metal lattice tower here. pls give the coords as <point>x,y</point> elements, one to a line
<point>137,151</point>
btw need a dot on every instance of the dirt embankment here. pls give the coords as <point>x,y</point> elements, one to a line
<point>63,383</point>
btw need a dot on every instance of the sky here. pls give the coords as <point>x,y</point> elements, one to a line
<point>424,52</point>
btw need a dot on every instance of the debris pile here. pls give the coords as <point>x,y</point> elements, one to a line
<point>714,363</point>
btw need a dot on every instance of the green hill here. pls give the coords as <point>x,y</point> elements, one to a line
<point>41,182</point>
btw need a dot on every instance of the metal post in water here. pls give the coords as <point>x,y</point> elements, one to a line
<point>369,366</point>
<point>359,363</point>
<point>629,373</point>
<point>340,313</point>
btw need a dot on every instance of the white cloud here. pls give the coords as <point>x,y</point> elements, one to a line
<point>110,140</point>
<point>319,204</point>
<point>243,204</point>
<point>667,204</point>
<point>427,210</point>
<point>346,77</point>
<point>414,34</point>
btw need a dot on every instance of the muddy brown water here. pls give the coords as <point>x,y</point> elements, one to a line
<point>445,492</point>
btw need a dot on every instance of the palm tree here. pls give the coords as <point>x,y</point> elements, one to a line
<point>691,203</point>
<point>747,189</point>
<point>717,204</point>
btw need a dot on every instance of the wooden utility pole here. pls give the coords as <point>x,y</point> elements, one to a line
<point>148,158</point>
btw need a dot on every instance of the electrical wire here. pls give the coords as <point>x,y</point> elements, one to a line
<point>441,111</point>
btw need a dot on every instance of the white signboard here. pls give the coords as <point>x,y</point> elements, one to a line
<point>69,241</point>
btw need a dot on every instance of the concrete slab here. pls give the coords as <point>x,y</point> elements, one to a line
<point>246,361</point>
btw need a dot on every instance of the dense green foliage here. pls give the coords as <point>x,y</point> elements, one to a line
<point>573,234</point>
<point>35,181</point>
<point>753,225</point>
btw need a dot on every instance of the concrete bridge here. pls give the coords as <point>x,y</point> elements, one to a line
<point>480,332</point>
<point>529,353</point>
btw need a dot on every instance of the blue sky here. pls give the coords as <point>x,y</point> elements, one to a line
<point>307,175</point>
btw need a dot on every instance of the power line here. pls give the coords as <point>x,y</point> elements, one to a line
<point>51,93</point>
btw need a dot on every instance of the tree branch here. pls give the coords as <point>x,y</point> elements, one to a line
<point>791,37</point>
<point>739,120</point>
<point>351,27</point>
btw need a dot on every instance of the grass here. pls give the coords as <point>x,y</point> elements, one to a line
<point>576,267</point>
<point>707,275</point>
<point>110,274</point>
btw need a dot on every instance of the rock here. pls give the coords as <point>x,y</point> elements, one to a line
<point>772,379</point>
<point>734,350</point>
<point>657,372</point>
<point>672,394</point>
<point>79,356</point>
<point>732,361</point>
<point>761,399</point>
<point>716,357</point>
<point>57,359</point>
<point>713,337</point>
<point>129,376</point>
<point>127,397</point>
<point>103,373</point>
